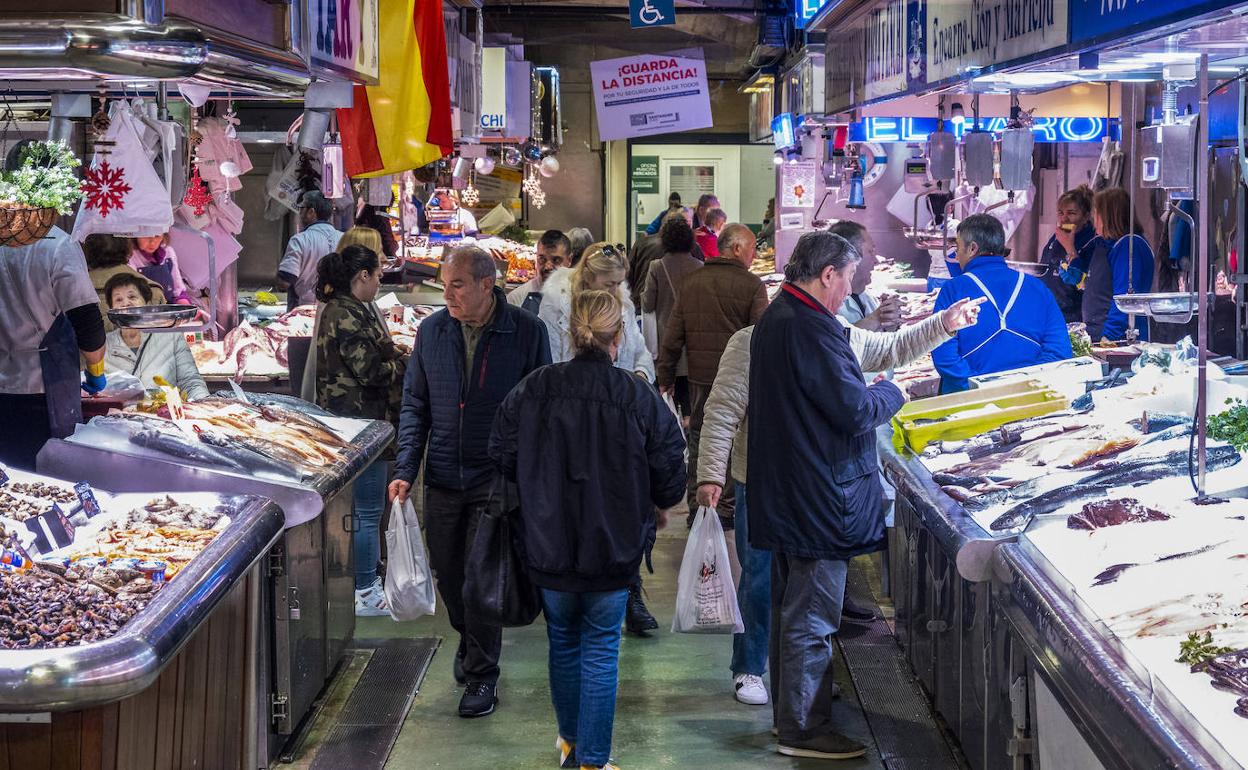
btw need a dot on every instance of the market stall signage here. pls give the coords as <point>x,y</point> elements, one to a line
<point>966,36</point>
<point>894,43</point>
<point>650,94</point>
<point>343,37</point>
<point>493,89</point>
<point>645,174</point>
<point>805,10</point>
<point>798,184</point>
<point>651,13</point>
<point>881,129</point>
<point>1090,19</point>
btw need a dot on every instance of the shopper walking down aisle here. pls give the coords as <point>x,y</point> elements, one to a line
<point>554,251</point>
<point>707,235</point>
<point>296,273</point>
<point>673,204</point>
<point>585,534</point>
<point>357,365</point>
<point>662,287</point>
<point>813,482</point>
<point>580,238</point>
<point>467,358</point>
<point>648,248</point>
<point>725,437</point>
<point>706,202</point>
<point>49,313</point>
<point>715,302</point>
<point>602,268</point>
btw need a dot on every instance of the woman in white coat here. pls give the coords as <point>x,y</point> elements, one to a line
<point>146,355</point>
<point>603,267</point>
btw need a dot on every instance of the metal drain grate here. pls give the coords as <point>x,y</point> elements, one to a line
<point>366,728</point>
<point>897,711</point>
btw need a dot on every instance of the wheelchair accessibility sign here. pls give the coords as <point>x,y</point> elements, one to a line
<point>652,13</point>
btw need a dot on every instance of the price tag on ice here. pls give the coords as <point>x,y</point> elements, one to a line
<point>52,530</point>
<point>86,498</point>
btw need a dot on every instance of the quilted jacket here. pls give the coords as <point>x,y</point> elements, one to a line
<point>715,302</point>
<point>451,418</point>
<point>725,429</point>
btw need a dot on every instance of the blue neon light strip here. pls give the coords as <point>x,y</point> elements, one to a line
<point>805,10</point>
<point>918,129</point>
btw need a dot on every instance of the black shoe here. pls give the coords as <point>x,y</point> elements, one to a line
<point>479,700</point>
<point>830,746</point>
<point>457,669</point>
<point>858,614</point>
<point>637,619</point>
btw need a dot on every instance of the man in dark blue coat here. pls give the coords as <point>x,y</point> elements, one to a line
<point>818,490</point>
<point>466,359</point>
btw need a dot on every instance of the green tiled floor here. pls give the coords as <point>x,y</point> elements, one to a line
<point>675,705</point>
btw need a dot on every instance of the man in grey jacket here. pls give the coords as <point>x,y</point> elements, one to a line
<point>724,435</point>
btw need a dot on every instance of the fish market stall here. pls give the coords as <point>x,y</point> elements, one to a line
<point>1050,573</point>
<point>291,452</point>
<point>129,637</point>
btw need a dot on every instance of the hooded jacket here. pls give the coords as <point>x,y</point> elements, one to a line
<point>452,418</point>
<point>593,450</point>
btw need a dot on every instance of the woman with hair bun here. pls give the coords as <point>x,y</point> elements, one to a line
<point>357,368</point>
<point>584,533</point>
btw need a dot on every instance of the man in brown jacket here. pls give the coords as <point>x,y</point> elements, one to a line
<point>713,304</point>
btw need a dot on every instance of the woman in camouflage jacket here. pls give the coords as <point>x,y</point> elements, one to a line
<point>357,366</point>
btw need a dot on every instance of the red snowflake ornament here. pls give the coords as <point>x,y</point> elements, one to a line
<point>105,188</point>
<point>197,195</point>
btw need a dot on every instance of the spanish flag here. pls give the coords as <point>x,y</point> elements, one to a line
<point>404,121</point>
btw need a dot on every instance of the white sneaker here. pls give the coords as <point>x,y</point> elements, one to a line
<point>750,690</point>
<point>371,602</point>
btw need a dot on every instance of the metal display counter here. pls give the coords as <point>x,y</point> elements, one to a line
<point>144,697</point>
<point>305,593</point>
<point>993,638</point>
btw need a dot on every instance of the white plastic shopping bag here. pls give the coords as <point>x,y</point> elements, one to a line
<point>409,582</point>
<point>122,193</point>
<point>706,601</point>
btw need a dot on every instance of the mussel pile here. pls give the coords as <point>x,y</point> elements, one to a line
<point>43,609</point>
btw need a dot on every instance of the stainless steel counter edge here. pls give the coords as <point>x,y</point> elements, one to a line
<point>118,471</point>
<point>72,678</point>
<point>959,535</point>
<point>1123,719</point>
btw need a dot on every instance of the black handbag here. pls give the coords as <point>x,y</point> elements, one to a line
<point>497,587</point>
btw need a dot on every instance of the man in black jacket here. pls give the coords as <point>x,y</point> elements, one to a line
<point>466,359</point>
<point>813,473</point>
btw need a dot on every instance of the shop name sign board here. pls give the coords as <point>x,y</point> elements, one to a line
<point>881,129</point>
<point>648,95</point>
<point>964,35</point>
<point>1091,19</point>
<point>894,48</point>
<point>343,37</point>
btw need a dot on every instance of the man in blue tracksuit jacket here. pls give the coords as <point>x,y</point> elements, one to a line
<point>1020,323</point>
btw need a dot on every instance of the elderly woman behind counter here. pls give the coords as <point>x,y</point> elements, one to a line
<point>148,355</point>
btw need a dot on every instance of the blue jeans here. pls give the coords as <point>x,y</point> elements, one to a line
<point>584,633</point>
<point>749,649</point>
<point>370,502</point>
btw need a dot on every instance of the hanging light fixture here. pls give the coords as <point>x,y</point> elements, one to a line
<point>470,196</point>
